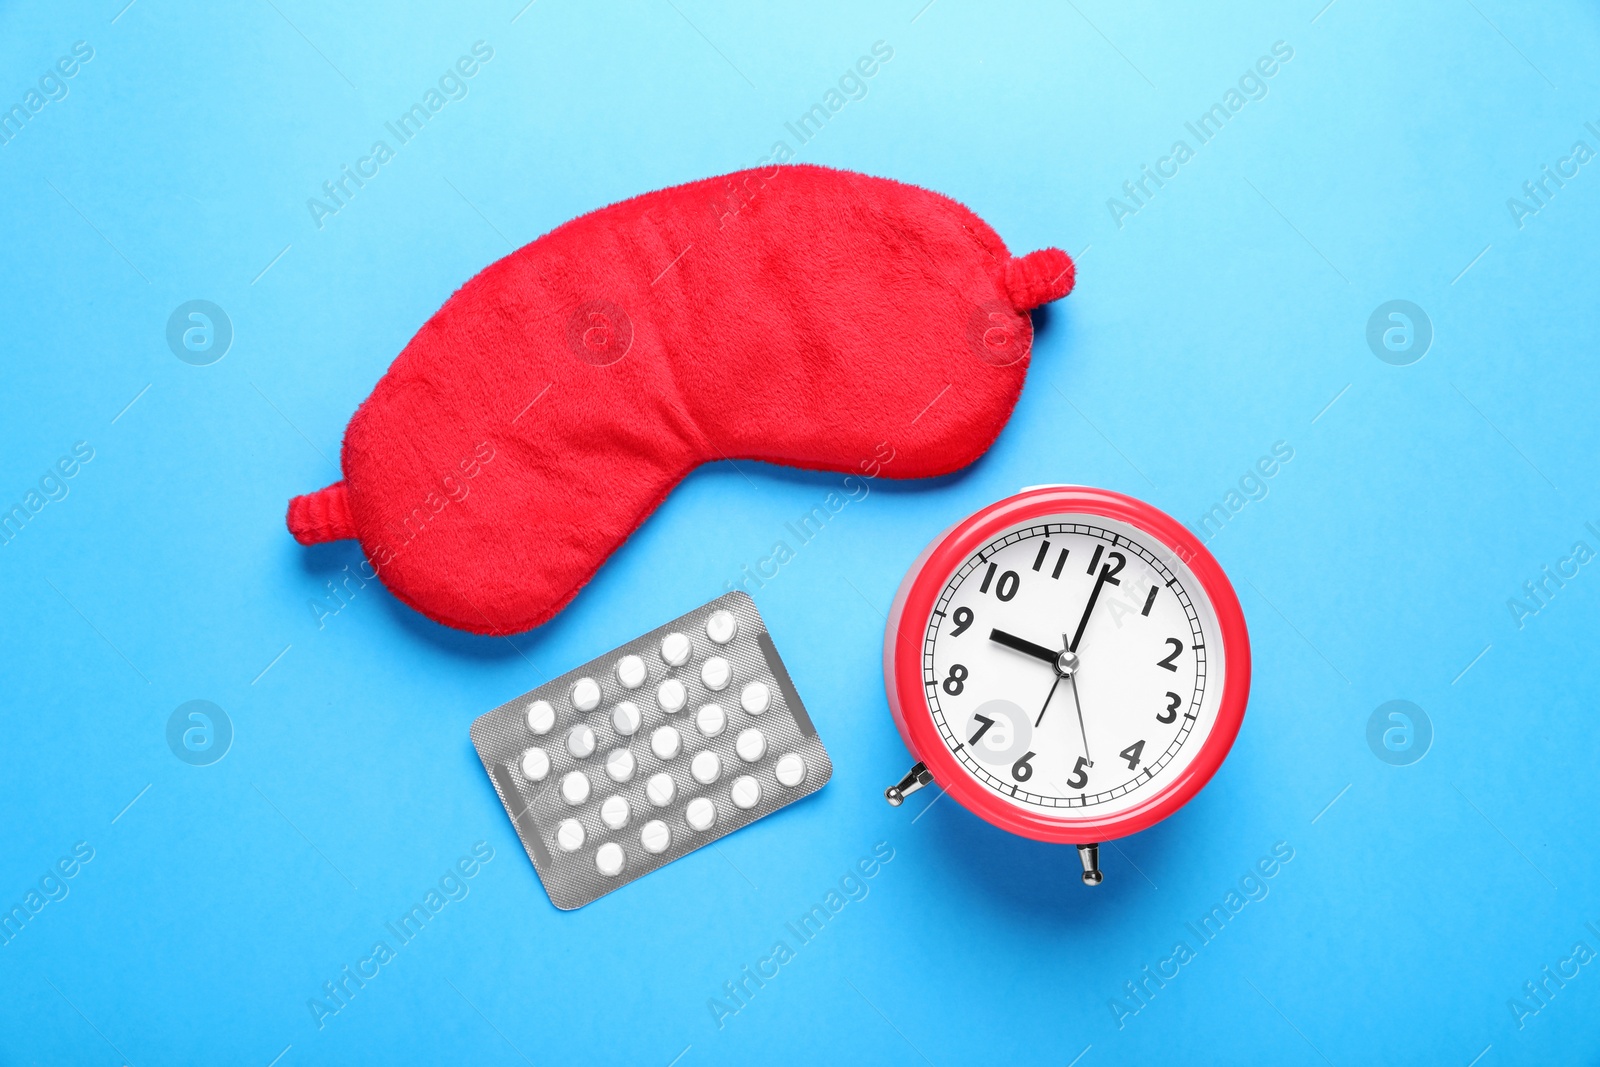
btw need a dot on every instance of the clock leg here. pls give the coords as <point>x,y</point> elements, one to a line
<point>915,779</point>
<point>1090,855</point>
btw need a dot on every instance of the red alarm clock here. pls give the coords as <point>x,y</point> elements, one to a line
<point>1069,663</point>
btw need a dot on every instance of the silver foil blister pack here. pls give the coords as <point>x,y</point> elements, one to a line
<point>642,755</point>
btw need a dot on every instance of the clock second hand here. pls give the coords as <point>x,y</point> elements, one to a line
<point>1046,707</point>
<point>1073,678</point>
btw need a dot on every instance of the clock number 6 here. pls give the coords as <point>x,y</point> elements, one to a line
<point>1022,770</point>
<point>1080,776</point>
<point>1171,714</point>
<point>957,681</point>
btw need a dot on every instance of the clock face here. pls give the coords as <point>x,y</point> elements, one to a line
<point>1073,666</point>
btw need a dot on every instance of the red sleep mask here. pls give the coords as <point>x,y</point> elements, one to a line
<point>793,314</point>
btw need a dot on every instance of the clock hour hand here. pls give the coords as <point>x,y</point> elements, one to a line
<point>1027,648</point>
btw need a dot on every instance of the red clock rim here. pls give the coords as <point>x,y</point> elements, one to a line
<point>908,627</point>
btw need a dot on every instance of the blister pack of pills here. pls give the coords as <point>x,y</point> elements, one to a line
<point>645,754</point>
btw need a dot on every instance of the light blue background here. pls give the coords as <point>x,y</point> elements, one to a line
<point>1225,315</point>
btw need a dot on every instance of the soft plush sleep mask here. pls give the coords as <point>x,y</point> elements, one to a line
<point>793,314</point>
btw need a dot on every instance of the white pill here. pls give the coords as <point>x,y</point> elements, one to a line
<point>675,650</point>
<point>672,696</point>
<point>575,787</point>
<point>665,742</point>
<point>619,765</point>
<point>586,694</point>
<point>701,813</point>
<point>751,745</point>
<point>569,835</point>
<point>746,792</point>
<point>626,718</point>
<point>580,741</point>
<point>705,767</point>
<point>711,719</point>
<point>614,812</point>
<point>791,769</point>
<point>715,673</point>
<point>721,627</point>
<point>541,716</point>
<point>608,859</point>
<point>655,837</point>
<point>535,764</point>
<point>661,789</point>
<point>755,698</point>
<point>630,672</point>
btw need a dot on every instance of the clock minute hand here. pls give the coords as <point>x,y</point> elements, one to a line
<point>1027,648</point>
<point>1088,609</point>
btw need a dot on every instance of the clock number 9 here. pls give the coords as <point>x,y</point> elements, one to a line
<point>1022,770</point>
<point>1171,714</point>
<point>957,681</point>
<point>963,618</point>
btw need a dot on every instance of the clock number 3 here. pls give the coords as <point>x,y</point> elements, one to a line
<point>1171,714</point>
